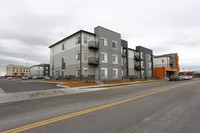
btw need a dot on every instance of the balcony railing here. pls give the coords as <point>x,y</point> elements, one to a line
<point>136,57</point>
<point>171,62</point>
<point>123,55</point>
<point>93,60</point>
<point>93,44</point>
<point>137,67</point>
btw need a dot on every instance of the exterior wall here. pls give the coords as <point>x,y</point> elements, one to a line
<point>124,58</point>
<point>115,57</point>
<point>17,70</point>
<point>69,53</point>
<point>166,65</point>
<point>146,62</point>
<point>40,70</point>
<point>109,50</point>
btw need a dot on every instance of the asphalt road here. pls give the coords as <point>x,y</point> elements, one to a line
<point>12,86</point>
<point>163,107</point>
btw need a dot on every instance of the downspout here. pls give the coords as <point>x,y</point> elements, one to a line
<point>81,56</point>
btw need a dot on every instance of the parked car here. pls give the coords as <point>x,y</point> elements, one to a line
<point>186,77</point>
<point>175,78</point>
<point>9,78</point>
<point>24,78</point>
<point>34,77</point>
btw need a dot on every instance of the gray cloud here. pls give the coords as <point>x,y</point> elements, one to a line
<point>167,26</point>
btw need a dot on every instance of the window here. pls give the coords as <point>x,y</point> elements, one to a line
<point>63,63</point>
<point>142,64</point>
<point>114,44</point>
<point>115,73</point>
<point>104,41</point>
<point>85,56</point>
<point>78,56</point>
<point>150,74</point>
<point>63,73</point>
<point>162,60</point>
<point>115,59</point>
<point>149,57</point>
<point>78,72</point>
<point>85,39</point>
<point>141,55</point>
<point>104,73</point>
<point>149,64</point>
<point>85,72</point>
<point>78,39</point>
<point>103,57</point>
<point>142,73</point>
<point>63,46</point>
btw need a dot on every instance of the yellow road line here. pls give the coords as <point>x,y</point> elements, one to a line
<point>48,121</point>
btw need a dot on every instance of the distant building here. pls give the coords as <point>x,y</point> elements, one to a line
<point>101,55</point>
<point>40,70</point>
<point>17,70</point>
<point>166,65</point>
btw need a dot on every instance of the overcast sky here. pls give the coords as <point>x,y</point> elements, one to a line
<point>29,27</point>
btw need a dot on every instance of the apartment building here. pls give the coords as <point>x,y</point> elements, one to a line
<point>139,62</point>
<point>17,70</point>
<point>40,70</point>
<point>101,55</point>
<point>166,65</point>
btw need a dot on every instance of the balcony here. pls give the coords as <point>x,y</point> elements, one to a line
<point>93,45</point>
<point>93,61</point>
<point>137,67</point>
<point>171,62</point>
<point>123,55</point>
<point>136,57</point>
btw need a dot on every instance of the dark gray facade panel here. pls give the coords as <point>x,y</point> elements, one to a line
<point>110,36</point>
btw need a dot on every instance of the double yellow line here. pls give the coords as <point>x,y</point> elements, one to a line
<point>48,121</point>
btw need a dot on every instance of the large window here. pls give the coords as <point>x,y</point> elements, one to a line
<point>115,73</point>
<point>78,39</point>
<point>150,74</point>
<point>115,59</point>
<point>104,41</point>
<point>141,55</point>
<point>149,64</point>
<point>78,56</point>
<point>104,57</point>
<point>85,39</point>
<point>114,44</point>
<point>63,46</point>
<point>142,64</point>
<point>63,62</point>
<point>85,55</point>
<point>63,73</point>
<point>78,72</point>
<point>104,73</point>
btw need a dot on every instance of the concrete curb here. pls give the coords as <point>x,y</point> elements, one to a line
<point>20,96</point>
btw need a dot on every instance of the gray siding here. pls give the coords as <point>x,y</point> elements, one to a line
<point>110,36</point>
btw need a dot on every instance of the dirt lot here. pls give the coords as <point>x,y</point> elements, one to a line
<point>73,83</point>
<point>90,83</point>
<point>126,81</point>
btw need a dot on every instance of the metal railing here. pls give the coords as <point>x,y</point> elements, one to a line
<point>93,44</point>
<point>93,60</point>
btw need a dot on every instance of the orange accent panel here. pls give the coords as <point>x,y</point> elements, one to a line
<point>177,60</point>
<point>159,72</point>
